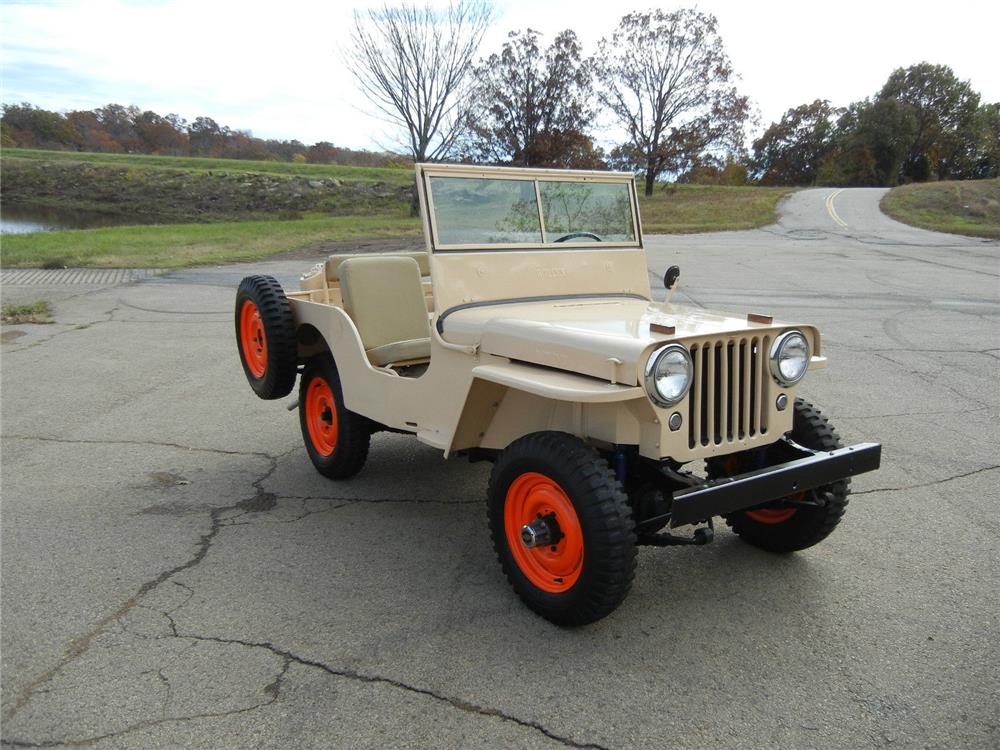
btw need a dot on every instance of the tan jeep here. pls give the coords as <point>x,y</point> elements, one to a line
<point>527,335</point>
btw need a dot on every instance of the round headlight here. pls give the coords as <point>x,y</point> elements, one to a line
<point>668,375</point>
<point>789,357</point>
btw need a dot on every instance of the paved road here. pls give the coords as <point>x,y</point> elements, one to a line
<point>176,574</point>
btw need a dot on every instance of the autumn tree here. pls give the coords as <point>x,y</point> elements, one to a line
<point>532,107</point>
<point>790,151</point>
<point>984,159</point>
<point>119,123</point>
<point>28,125</point>
<point>413,63</point>
<point>867,146</point>
<point>667,80</point>
<point>323,152</point>
<point>944,108</point>
<point>158,135</point>
<point>205,137</point>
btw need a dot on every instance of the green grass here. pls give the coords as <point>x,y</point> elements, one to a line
<point>179,245</point>
<point>36,312</point>
<point>391,175</point>
<point>682,209</point>
<point>971,207</point>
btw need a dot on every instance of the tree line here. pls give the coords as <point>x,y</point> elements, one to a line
<point>118,129</point>
<point>924,124</point>
<point>664,82</point>
<point>660,80</point>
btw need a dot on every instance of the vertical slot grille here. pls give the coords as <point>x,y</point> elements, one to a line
<point>729,391</point>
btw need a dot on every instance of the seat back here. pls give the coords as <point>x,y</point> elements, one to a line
<point>385,299</point>
<point>333,263</point>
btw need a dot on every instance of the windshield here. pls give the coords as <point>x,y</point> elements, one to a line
<point>472,211</point>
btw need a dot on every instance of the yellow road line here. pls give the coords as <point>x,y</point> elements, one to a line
<point>832,211</point>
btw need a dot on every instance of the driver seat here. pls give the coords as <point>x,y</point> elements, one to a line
<point>384,297</point>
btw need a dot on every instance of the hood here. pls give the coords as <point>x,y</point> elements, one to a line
<point>604,337</point>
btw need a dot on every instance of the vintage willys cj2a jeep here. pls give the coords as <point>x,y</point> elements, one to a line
<point>527,335</point>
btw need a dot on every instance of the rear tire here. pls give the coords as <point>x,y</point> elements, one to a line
<point>265,337</point>
<point>587,573</point>
<point>336,438</point>
<point>778,529</point>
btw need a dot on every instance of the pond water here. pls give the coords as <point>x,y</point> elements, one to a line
<point>20,219</point>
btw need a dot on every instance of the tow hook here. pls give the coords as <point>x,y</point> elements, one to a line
<point>702,535</point>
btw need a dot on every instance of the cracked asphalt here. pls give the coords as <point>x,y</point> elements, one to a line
<point>174,573</point>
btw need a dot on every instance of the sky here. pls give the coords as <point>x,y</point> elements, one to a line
<point>276,68</point>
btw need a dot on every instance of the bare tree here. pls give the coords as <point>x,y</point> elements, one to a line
<point>414,62</point>
<point>666,78</point>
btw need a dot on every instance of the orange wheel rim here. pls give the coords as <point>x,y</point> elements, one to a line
<point>771,515</point>
<point>253,341</point>
<point>321,416</point>
<point>555,567</point>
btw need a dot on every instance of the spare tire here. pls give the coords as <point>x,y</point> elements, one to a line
<point>265,336</point>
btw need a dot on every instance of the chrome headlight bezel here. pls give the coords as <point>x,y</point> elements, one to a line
<point>778,349</point>
<point>650,375</point>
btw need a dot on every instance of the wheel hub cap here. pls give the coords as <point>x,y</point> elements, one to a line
<point>321,417</point>
<point>543,532</point>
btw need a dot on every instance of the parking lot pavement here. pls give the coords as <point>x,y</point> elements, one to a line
<point>176,574</point>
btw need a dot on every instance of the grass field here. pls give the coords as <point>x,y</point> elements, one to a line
<point>971,207</point>
<point>683,209</point>
<point>391,175</point>
<point>179,245</point>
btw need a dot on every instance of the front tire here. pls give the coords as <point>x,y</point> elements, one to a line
<point>789,529</point>
<point>336,438</point>
<point>587,572</point>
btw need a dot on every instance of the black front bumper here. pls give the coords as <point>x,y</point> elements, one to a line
<point>815,469</point>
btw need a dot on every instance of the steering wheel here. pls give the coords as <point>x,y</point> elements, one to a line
<point>574,235</point>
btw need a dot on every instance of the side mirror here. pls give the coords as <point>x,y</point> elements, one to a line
<point>670,277</point>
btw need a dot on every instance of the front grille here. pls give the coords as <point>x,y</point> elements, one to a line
<point>730,390</point>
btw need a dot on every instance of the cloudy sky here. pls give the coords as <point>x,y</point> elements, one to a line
<point>276,68</point>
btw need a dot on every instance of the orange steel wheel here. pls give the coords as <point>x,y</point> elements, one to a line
<point>761,515</point>
<point>252,339</point>
<point>771,515</point>
<point>555,567</point>
<point>321,416</point>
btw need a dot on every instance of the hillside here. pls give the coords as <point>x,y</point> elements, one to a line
<point>168,190</point>
<point>970,207</point>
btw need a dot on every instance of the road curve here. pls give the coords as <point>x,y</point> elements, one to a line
<point>855,213</point>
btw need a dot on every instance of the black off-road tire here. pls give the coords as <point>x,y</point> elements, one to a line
<point>605,526</point>
<point>344,455</point>
<point>265,337</point>
<point>808,526</point>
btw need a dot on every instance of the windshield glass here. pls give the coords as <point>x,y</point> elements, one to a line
<point>471,211</point>
<point>587,208</point>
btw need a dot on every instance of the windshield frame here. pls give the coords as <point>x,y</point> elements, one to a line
<point>426,171</point>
